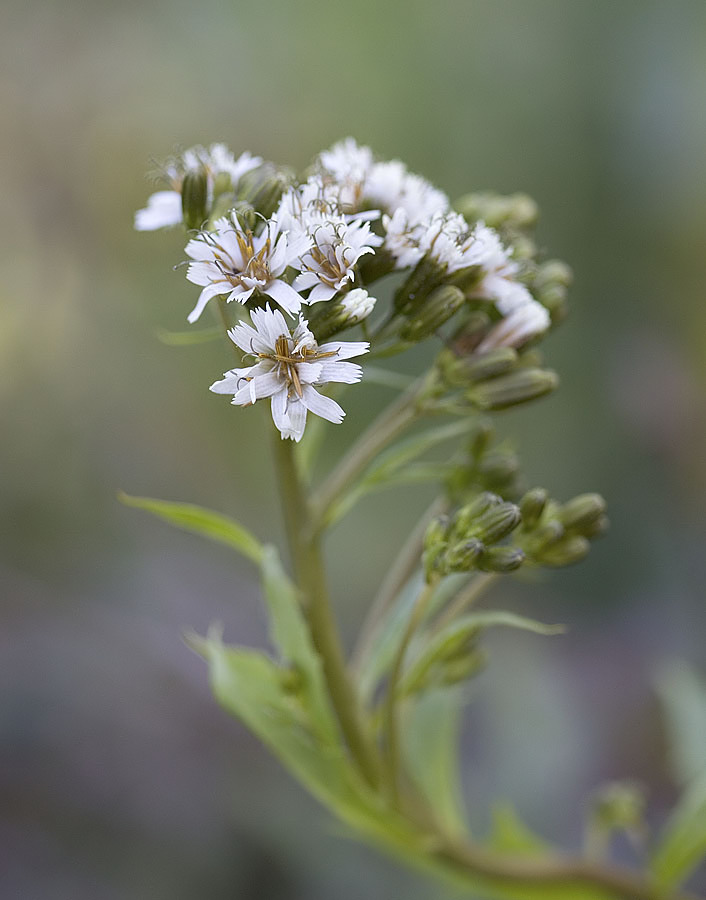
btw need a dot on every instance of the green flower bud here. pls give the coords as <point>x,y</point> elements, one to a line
<point>465,519</point>
<point>438,308</point>
<point>491,364</point>
<point>497,523</point>
<point>222,184</point>
<point>597,528</point>
<point>194,198</point>
<point>552,272</point>
<point>501,559</point>
<point>619,804</point>
<point>565,552</point>
<point>341,312</point>
<point>520,386</point>
<point>582,512</point>
<point>532,506</point>
<point>425,276</point>
<point>435,541</point>
<point>263,187</point>
<point>463,557</point>
<point>496,210</point>
<point>482,437</point>
<point>547,535</point>
<point>498,469</point>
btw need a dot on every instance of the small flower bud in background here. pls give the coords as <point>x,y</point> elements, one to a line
<point>497,523</point>
<point>435,540</point>
<point>518,387</point>
<point>437,309</point>
<point>496,210</point>
<point>462,557</point>
<point>532,506</point>
<point>582,512</point>
<point>194,198</point>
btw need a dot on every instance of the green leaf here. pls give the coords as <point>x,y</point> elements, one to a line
<point>683,696</point>
<point>682,844</point>
<point>291,636</point>
<point>431,749</point>
<point>212,525</point>
<point>454,635</point>
<point>188,338</point>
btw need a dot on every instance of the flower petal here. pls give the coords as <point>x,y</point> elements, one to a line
<point>283,294</point>
<point>322,406</point>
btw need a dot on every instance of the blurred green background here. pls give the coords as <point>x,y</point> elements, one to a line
<point>120,776</point>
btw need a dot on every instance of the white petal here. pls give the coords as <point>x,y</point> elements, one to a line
<point>296,415</point>
<point>322,406</point>
<point>270,324</point>
<point>343,372</point>
<point>345,349</point>
<point>283,294</point>
<point>163,208</point>
<point>248,339</point>
<point>279,410</point>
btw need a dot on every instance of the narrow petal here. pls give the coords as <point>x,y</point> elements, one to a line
<point>163,208</point>
<point>343,372</point>
<point>322,406</point>
<point>283,294</point>
<point>279,410</point>
<point>345,349</point>
<point>296,415</point>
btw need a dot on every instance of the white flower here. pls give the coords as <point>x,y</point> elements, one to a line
<point>499,280</point>
<point>403,238</point>
<point>287,368</point>
<point>390,186</point>
<point>234,262</point>
<point>524,323</point>
<point>336,246</point>
<point>164,207</point>
<point>348,164</point>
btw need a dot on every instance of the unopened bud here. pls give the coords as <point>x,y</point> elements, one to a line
<point>435,540</point>
<point>438,308</point>
<point>263,187</point>
<point>222,184</point>
<point>597,528</point>
<point>497,468</point>
<point>582,512</point>
<point>347,310</point>
<point>497,523</point>
<point>463,557</point>
<point>566,552</point>
<point>515,210</point>
<point>425,276</point>
<point>194,197</point>
<point>465,519</point>
<point>489,364</point>
<point>520,386</point>
<point>501,559</point>
<point>532,506</point>
<point>552,272</point>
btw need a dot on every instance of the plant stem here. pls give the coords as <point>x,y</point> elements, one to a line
<point>392,421</point>
<point>391,709</point>
<point>305,549</point>
<point>397,576</point>
<point>554,874</point>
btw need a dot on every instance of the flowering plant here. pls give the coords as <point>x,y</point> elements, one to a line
<point>368,249</point>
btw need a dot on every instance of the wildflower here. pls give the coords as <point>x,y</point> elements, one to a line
<point>328,264</point>
<point>165,207</point>
<point>234,262</point>
<point>287,367</point>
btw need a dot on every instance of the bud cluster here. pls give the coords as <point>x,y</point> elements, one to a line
<point>555,534</point>
<point>470,538</point>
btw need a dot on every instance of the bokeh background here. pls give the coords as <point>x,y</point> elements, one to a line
<point>120,777</point>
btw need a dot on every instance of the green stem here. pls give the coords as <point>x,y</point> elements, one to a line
<point>391,422</point>
<point>391,708</point>
<point>305,549</point>
<point>398,575</point>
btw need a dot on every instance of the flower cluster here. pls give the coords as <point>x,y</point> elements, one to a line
<point>277,245</point>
